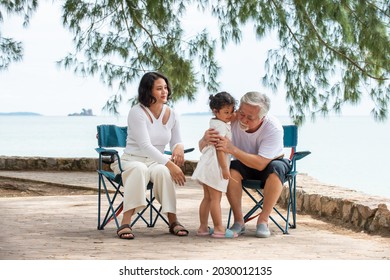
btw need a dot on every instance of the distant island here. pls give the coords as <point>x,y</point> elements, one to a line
<point>20,114</point>
<point>84,112</point>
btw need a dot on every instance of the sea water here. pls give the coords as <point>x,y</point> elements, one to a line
<point>348,151</point>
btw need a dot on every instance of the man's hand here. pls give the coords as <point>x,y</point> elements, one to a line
<point>210,137</point>
<point>225,145</point>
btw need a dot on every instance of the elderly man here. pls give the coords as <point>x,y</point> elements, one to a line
<point>257,150</point>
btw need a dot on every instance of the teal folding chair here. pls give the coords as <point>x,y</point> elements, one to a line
<point>110,138</point>
<point>253,188</point>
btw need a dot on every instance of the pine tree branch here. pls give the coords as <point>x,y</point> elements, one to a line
<point>288,27</point>
<point>129,32</point>
<point>338,52</point>
<point>379,9</point>
<point>156,48</point>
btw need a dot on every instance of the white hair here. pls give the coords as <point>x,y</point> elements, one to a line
<point>261,100</point>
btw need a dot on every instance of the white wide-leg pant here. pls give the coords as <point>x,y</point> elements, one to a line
<point>138,171</point>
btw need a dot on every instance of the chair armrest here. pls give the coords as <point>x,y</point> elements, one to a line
<point>106,152</point>
<point>300,155</point>
<point>108,156</point>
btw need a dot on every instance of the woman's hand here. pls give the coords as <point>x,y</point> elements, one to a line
<point>176,173</point>
<point>178,155</point>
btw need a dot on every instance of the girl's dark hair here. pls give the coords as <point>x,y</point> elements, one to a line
<point>145,96</point>
<point>221,99</point>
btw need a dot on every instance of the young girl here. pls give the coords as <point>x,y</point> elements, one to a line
<point>212,170</point>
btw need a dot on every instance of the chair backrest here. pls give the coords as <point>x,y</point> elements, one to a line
<point>290,136</point>
<point>290,139</point>
<point>111,135</point>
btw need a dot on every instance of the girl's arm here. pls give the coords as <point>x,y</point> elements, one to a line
<point>223,164</point>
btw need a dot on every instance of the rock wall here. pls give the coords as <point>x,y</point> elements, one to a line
<point>63,164</point>
<point>52,164</point>
<point>346,207</point>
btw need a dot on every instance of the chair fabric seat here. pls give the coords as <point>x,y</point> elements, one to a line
<point>252,184</point>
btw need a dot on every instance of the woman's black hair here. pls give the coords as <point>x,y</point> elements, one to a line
<point>145,95</point>
<point>220,100</point>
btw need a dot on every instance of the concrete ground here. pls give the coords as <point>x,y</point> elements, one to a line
<point>64,228</point>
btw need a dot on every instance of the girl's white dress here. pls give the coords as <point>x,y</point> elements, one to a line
<point>208,170</point>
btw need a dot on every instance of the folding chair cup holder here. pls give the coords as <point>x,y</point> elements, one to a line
<point>253,188</point>
<point>110,138</point>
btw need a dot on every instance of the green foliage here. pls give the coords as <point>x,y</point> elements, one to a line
<point>11,50</point>
<point>121,40</point>
<point>330,53</point>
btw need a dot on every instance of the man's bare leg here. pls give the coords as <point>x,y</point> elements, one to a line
<point>234,195</point>
<point>272,190</point>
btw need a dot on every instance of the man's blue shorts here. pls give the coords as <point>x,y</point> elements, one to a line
<point>278,166</point>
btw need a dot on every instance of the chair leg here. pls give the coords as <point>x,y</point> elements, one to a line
<point>154,213</point>
<point>294,203</point>
<point>111,207</point>
<point>259,205</point>
<point>99,202</point>
<point>151,198</point>
<point>153,210</point>
<point>111,212</point>
<point>229,217</point>
<point>139,216</point>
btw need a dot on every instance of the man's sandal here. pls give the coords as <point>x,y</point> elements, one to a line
<point>175,228</point>
<point>125,232</point>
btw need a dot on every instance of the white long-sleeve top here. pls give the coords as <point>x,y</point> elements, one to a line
<point>149,139</point>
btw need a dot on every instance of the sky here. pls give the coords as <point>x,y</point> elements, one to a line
<point>38,85</point>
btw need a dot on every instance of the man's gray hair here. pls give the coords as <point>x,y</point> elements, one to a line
<point>261,100</point>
